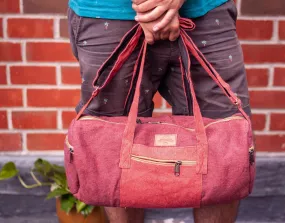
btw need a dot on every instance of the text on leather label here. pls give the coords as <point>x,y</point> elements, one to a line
<point>165,140</point>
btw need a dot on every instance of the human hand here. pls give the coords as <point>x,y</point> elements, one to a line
<point>170,32</point>
<point>151,10</point>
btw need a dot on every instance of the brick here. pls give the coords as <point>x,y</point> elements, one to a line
<point>264,53</point>
<point>262,7</point>
<point>270,143</point>
<point>3,78</point>
<point>33,75</point>
<point>282,30</point>
<point>67,117</point>
<point>9,6</point>
<point>50,141</point>
<point>11,97</point>
<point>30,28</point>
<point>257,77</point>
<point>10,142</point>
<point>53,98</point>
<point>51,6</point>
<point>1,27</point>
<point>63,28</point>
<point>279,76</point>
<point>277,122</point>
<point>53,52</point>
<point>267,99</point>
<point>157,99</point>
<point>254,29</point>
<point>10,51</point>
<point>70,75</point>
<point>258,121</point>
<point>34,120</point>
<point>3,120</point>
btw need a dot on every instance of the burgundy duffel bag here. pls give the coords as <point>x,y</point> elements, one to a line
<point>159,162</point>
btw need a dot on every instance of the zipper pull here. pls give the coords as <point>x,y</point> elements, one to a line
<point>177,168</point>
<point>251,156</point>
<point>71,152</point>
<point>139,121</point>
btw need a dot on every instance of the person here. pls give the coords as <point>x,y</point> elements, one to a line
<point>96,28</point>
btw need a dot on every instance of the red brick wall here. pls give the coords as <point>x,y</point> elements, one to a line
<point>39,78</point>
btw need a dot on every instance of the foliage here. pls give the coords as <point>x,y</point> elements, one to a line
<point>50,175</point>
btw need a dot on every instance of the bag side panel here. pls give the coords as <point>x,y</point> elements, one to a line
<point>97,154</point>
<point>228,164</point>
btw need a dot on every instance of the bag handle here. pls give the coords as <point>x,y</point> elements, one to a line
<point>225,87</point>
<point>122,52</point>
<point>129,133</point>
<point>118,57</point>
<point>202,143</point>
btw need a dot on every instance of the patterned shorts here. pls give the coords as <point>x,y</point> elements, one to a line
<point>93,40</point>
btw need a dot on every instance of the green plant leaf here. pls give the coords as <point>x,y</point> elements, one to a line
<point>58,169</point>
<point>67,202</point>
<point>87,210</point>
<point>43,167</point>
<point>9,170</point>
<point>80,206</point>
<point>59,179</point>
<point>57,192</point>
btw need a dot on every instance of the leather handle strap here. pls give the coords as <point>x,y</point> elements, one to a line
<point>120,55</point>
<point>225,87</point>
<point>129,132</point>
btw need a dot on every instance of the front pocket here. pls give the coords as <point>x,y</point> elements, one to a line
<point>175,163</point>
<point>160,183</point>
<point>70,168</point>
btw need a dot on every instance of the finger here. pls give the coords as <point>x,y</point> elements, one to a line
<point>137,2</point>
<point>152,15</point>
<point>149,38</point>
<point>156,36</point>
<point>145,6</point>
<point>174,35</point>
<point>164,35</point>
<point>165,21</point>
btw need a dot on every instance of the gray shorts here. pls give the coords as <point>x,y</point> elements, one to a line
<point>93,40</point>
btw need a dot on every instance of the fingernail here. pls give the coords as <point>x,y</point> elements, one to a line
<point>136,18</point>
<point>155,28</point>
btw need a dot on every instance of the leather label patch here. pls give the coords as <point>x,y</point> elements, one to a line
<point>165,140</point>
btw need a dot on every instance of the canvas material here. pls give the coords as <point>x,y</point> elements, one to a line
<point>96,161</point>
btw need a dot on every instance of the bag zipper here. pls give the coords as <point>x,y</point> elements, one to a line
<point>177,163</point>
<point>251,155</point>
<point>139,121</point>
<point>99,119</point>
<point>70,148</point>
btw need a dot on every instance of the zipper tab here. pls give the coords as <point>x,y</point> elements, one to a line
<point>139,121</point>
<point>71,152</point>
<point>251,156</point>
<point>177,168</point>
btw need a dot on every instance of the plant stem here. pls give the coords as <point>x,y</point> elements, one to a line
<point>35,178</point>
<point>33,185</point>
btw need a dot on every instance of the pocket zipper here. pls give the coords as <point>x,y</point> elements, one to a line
<point>70,148</point>
<point>176,163</point>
